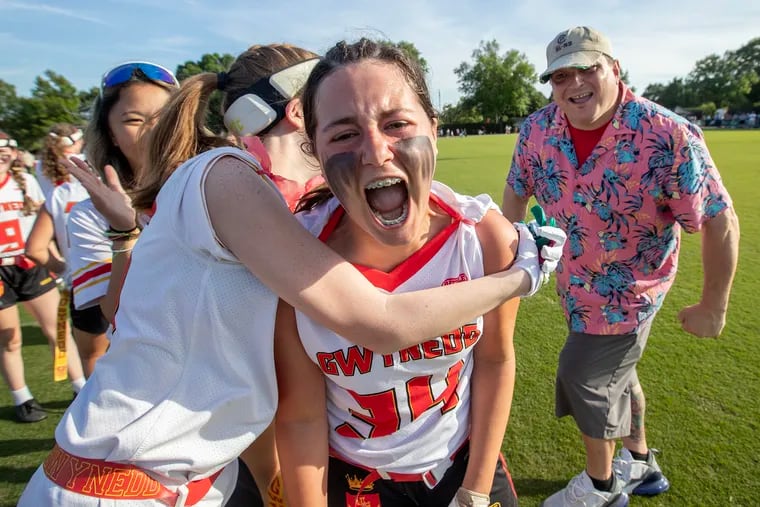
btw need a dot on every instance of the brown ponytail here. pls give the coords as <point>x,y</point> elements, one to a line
<point>178,136</point>
<point>17,173</point>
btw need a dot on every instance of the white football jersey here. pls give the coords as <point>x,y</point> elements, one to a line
<point>409,411</point>
<point>89,256</point>
<point>14,225</point>
<point>188,381</point>
<point>46,185</point>
<point>59,204</point>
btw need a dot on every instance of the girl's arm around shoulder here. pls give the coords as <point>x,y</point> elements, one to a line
<point>253,222</point>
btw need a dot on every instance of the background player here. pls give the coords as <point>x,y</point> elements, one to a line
<point>21,281</point>
<point>63,140</point>
<point>131,95</point>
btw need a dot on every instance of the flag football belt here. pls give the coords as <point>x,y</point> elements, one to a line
<point>60,361</point>
<point>116,481</point>
<point>17,260</point>
<point>431,478</point>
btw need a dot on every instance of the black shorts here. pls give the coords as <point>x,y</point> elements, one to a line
<point>343,479</point>
<point>90,320</point>
<point>17,284</point>
<point>246,493</point>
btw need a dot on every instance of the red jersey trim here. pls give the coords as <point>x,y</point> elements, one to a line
<point>411,265</point>
<point>100,270</point>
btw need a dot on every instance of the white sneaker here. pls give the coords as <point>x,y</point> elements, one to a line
<point>639,477</point>
<point>580,492</point>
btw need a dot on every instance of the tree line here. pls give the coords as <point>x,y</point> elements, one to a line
<point>496,87</point>
<point>730,81</point>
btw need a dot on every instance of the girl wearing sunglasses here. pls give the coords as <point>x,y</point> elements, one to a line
<point>21,281</point>
<point>131,95</point>
<point>188,382</point>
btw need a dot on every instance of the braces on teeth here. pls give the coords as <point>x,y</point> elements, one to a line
<point>395,221</point>
<point>387,182</point>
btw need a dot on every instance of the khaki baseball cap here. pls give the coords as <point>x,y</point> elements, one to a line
<point>579,47</point>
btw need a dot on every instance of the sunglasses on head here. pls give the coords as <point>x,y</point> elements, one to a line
<point>124,72</point>
<point>5,143</point>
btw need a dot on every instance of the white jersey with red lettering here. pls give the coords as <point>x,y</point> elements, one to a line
<point>409,411</point>
<point>14,225</point>
<point>188,381</point>
<point>59,204</point>
<point>89,260</point>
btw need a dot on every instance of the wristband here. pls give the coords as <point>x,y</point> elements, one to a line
<point>115,235</point>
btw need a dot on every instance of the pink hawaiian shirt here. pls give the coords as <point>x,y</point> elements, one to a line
<point>623,209</point>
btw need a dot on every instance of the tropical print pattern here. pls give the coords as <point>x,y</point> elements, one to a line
<point>622,209</point>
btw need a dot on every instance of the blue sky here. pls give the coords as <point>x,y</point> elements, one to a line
<point>654,40</point>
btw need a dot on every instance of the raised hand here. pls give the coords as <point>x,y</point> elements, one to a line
<point>109,198</point>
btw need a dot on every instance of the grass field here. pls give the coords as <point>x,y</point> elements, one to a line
<point>702,395</point>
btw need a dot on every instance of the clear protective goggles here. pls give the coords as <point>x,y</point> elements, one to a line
<point>69,140</point>
<point>125,71</point>
<point>263,104</point>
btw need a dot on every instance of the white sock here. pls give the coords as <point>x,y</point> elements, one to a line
<point>78,384</point>
<point>21,396</point>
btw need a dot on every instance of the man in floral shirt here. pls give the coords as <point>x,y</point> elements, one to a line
<point>622,176</point>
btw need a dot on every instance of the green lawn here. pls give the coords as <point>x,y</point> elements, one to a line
<point>702,395</point>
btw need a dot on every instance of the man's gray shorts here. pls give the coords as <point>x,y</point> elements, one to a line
<point>594,380</point>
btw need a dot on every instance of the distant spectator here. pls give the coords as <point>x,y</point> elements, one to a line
<point>720,117</point>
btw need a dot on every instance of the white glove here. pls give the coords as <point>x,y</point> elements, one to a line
<point>467,498</point>
<point>527,258</point>
<point>551,252</point>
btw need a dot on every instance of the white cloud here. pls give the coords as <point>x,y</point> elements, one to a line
<point>49,9</point>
